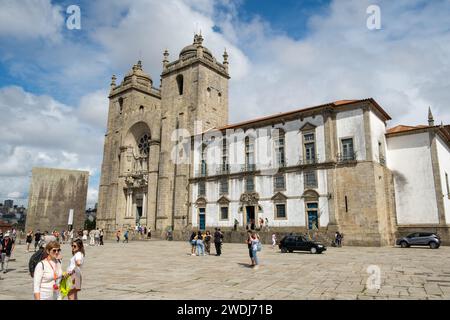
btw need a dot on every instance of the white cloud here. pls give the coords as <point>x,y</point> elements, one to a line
<point>42,132</point>
<point>27,19</point>
<point>404,66</point>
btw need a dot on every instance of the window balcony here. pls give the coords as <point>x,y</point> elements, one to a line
<point>309,160</point>
<point>248,168</point>
<point>346,157</point>
<point>223,169</point>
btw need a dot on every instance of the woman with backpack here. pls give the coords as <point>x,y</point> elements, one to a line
<point>193,242</point>
<point>48,273</point>
<point>74,269</point>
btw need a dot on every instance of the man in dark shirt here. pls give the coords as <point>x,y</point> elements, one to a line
<point>218,236</point>
<point>37,237</point>
<point>7,246</point>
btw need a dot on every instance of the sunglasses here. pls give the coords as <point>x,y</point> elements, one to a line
<point>56,250</point>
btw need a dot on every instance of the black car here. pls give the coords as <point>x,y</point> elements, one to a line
<point>300,243</point>
<point>420,239</point>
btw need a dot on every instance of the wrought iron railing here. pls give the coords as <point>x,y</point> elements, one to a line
<point>346,157</point>
<point>309,160</point>
<point>248,168</point>
<point>223,169</point>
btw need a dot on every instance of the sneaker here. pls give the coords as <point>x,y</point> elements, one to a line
<point>193,254</point>
<point>256,267</point>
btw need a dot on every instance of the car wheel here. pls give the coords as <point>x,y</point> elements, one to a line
<point>283,250</point>
<point>313,250</point>
<point>433,245</point>
<point>404,244</point>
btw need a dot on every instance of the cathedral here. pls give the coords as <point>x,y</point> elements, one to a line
<point>172,161</point>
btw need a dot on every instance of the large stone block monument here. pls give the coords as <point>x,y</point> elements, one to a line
<point>53,194</point>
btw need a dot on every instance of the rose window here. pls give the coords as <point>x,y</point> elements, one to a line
<point>143,145</point>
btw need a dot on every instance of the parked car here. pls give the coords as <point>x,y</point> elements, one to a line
<point>300,243</point>
<point>420,239</point>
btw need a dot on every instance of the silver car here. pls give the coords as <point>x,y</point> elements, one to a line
<point>420,239</point>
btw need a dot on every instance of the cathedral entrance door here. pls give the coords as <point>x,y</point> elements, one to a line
<point>138,209</point>
<point>251,222</point>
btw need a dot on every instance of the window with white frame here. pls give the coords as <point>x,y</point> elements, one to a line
<point>310,178</point>
<point>309,142</point>
<point>348,152</point>
<point>249,153</point>
<point>202,188</point>
<point>280,209</point>
<point>223,186</point>
<point>250,183</point>
<point>279,140</point>
<point>279,182</point>
<point>223,213</point>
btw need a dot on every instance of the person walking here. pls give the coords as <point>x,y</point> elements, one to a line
<point>118,235</point>
<point>71,235</point>
<point>218,236</point>
<point>193,242</point>
<point>256,246</point>
<point>200,245</point>
<point>29,239</point>
<point>37,237</point>
<point>48,274</point>
<point>97,237</point>
<point>249,246</point>
<point>85,235</point>
<point>6,248</point>
<point>91,237</point>
<point>261,224</point>
<point>274,240</point>
<point>101,237</point>
<point>74,269</point>
<point>125,236</point>
<point>207,241</point>
<point>149,234</point>
<point>267,224</point>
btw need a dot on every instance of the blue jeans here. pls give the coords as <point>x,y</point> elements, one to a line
<point>255,256</point>
<point>200,248</point>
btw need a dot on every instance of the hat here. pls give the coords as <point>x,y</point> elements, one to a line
<point>7,234</point>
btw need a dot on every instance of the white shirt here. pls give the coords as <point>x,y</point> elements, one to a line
<point>44,279</point>
<point>76,257</point>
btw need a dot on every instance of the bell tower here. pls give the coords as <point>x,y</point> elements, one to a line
<point>194,88</point>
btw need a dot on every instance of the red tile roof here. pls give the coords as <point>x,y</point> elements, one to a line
<point>403,128</point>
<point>333,104</point>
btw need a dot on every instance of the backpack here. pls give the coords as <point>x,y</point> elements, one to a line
<point>37,257</point>
<point>258,246</point>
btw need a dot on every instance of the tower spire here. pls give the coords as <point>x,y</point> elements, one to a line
<point>166,58</point>
<point>430,118</point>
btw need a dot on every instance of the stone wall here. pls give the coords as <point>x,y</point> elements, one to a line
<point>53,192</point>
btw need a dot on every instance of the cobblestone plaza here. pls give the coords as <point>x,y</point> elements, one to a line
<point>159,269</point>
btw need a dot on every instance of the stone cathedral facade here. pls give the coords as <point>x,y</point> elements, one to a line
<point>171,160</point>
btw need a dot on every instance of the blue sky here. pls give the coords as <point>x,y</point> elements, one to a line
<point>54,82</point>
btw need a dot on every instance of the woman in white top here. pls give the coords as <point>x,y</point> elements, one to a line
<point>48,274</point>
<point>74,269</point>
